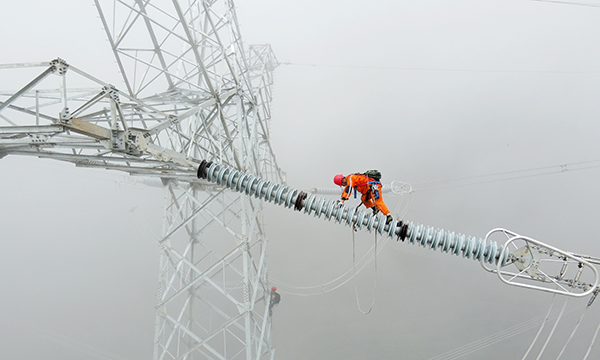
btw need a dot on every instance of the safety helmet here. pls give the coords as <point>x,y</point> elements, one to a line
<point>338,179</point>
<point>274,288</point>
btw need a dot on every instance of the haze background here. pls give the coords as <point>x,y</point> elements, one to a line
<point>423,91</point>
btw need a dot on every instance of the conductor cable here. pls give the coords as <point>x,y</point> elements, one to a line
<point>354,267</point>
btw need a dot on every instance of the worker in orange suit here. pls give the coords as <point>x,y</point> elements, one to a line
<point>369,187</point>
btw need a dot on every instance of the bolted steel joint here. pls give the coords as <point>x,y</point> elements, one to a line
<point>59,66</point>
<point>112,92</point>
<point>65,116</point>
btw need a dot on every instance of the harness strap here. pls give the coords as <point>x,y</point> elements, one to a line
<point>367,183</point>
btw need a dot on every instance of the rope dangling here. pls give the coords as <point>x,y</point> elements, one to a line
<point>354,268</point>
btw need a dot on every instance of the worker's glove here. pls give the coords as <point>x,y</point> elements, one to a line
<point>340,203</point>
<point>389,219</point>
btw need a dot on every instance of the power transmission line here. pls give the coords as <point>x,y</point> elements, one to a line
<point>507,175</point>
<point>441,69</point>
<point>569,3</point>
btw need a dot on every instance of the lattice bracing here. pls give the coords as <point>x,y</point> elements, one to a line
<point>191,91</point>
<point>213,278</point>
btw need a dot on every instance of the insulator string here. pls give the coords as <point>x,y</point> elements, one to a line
<point>458,244</point>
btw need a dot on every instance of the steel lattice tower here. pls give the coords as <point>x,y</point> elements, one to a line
<point>192,91</point>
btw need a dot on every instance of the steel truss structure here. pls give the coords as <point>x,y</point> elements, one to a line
<point>192,91</point>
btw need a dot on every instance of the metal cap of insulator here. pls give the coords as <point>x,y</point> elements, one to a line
<point>202,169</point>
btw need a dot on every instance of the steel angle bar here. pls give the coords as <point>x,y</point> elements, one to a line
<point>158,69</point>
<point>180,208</point>
<point>201,275</point>
<point>191,197</point>
<point>220,312</point>
<point>200,342</point>
<point>213,217</point>
<point>233,201</point>
<point>55,100</point>
<point>87,76</point>
<point>223,224</point>
<point>137,170</point>
<point>181,136</point>
<point>157,48</point>
<point>42,154</point>
<point>24,65</point>
<point>113,46</point>
<point>158,167</point>
<point>144,14</point>
<point>68,135</point>
<point>107,161</point>
<point>149,66</point>
<point>177,263</point>
<point>239,305</point>
<point>163,177</point>
<point>254,220</point>
<point>203,342</point>
<point>262,332</point>
<point>259,271</point>
<point>178,200</point>
<point>42,141</point>
<point>133,100</point>
<point>176,272</point>
<point>47,93</point>
<point>168,122</point>
<point>160,346</point>
<point>186,222</point>
<point>250,247</point>
<point>172,174</point>
<point>192,42</point>
<point>29,112</point>
<point>89,103</point>
<point>230,141</point>
<point>216,34</point>
<point>27,87</point>
<point>7,120</point>
<point>31,129</point>
<point>54,93</point>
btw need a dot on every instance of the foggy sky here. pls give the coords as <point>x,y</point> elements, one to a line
<point>423,91</point>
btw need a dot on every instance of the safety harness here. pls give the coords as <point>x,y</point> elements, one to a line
<point>372,189</point>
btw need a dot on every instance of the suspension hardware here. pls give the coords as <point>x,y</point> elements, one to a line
<point>539,269</point>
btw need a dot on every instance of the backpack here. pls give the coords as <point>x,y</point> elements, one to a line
<point>375,174</point>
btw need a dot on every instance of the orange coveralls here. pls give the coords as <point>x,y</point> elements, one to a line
<point>361,183</point>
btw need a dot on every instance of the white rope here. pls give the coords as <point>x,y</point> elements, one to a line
<point>505,176</point>
<point>573,333</point>
<point>553,328</point>
<point>322,287</point>
<point>401,207</point>
<point>541,328</point>
<point>354,267</point>
<point>592,344</point>
<point>399,211</point>
<point>64,340</point>
<point>497,337</point>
